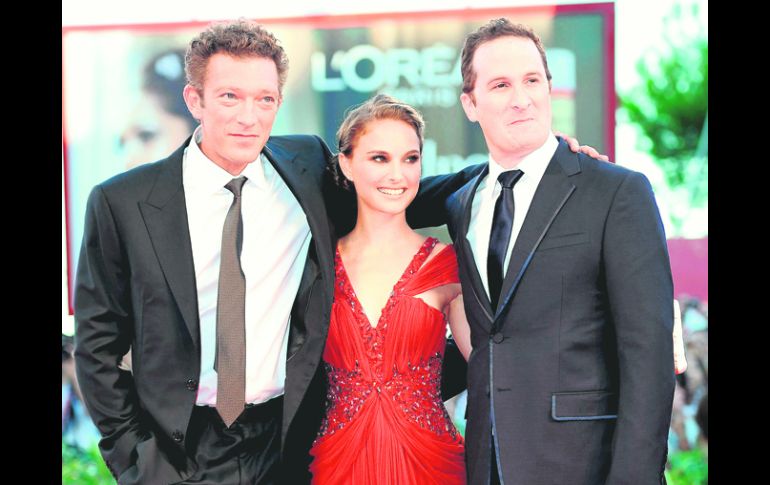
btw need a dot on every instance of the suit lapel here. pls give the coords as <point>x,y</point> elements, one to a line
<point>462,205</point>
<point>165,215</point>
<point>551,195</point>
<point>303,174</point>
<point>297,171</point>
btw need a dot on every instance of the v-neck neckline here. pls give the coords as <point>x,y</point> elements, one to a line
<point>409,271</point>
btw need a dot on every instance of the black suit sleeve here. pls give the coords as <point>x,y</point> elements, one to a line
<point>104,330</point>
<point>429,207</point>
<point>341,204</point>
<point>454,371</point>
<point>640,293</point>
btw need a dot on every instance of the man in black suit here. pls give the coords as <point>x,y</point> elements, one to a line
<point>215,267</point>
<point>173,250</point>
<point>150,278</point>
<point>566,286</point>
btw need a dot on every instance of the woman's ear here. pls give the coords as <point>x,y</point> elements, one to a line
<point>345,166</point>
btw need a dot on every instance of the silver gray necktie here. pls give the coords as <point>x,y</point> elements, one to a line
<point>230,362</point>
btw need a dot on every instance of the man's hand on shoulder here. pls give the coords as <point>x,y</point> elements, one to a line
<point>575,146</point>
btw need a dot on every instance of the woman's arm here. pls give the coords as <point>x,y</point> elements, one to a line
<point>458,323</point>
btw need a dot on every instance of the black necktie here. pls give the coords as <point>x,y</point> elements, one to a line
<point>500,234</point>
<point>230,361</point>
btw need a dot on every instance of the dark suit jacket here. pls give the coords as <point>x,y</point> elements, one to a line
<point>136,288</point>
<point>574,369</point>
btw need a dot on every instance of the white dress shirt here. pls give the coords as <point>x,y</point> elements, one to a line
<point>483,208</point>
<point>276,239</point>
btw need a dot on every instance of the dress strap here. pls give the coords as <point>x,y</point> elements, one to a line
<point>417,261</point>
<point>439,271</point>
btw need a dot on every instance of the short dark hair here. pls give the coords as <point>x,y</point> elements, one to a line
<point>238,38</point>
<point>492,30</point>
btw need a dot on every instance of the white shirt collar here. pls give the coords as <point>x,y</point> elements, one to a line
<point>533,165</point>
<point>201,173</point>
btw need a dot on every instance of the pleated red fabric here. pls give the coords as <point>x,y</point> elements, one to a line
<point>385,422</point>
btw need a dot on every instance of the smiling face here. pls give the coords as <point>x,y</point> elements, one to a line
<point>511,99</point>
<point>236,109</point>
<point>385,166</point>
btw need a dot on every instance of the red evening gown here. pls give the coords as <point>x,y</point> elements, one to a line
<point>385,422</point>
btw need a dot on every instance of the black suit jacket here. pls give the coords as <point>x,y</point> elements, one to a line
<point>136,288</point>
<point>574,369</point>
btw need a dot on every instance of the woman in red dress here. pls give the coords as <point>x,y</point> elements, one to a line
<point>385,421</point>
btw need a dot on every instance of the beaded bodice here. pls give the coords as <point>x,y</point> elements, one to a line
<point>396,363</point>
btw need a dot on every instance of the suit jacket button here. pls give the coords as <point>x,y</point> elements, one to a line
<point>497,338</point>
<point>192,385</point>
<point>486,390</point>
<point>177,436</point>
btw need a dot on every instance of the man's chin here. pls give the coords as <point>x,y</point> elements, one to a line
<point>250,155</point>
<point>529,141</point>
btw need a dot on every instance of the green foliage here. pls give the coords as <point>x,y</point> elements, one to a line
<point>688,468</point>
<point>670,108</point>
<point>670,105</point>
<point>80,467</point>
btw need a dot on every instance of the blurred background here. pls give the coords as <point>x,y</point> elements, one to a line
<point>629,78</point>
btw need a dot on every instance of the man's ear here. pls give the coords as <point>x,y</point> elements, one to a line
<point>193,100</point>
<point>469,106</point>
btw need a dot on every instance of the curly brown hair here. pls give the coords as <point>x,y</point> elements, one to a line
<point>238,38</point>
<point>378,107</point>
